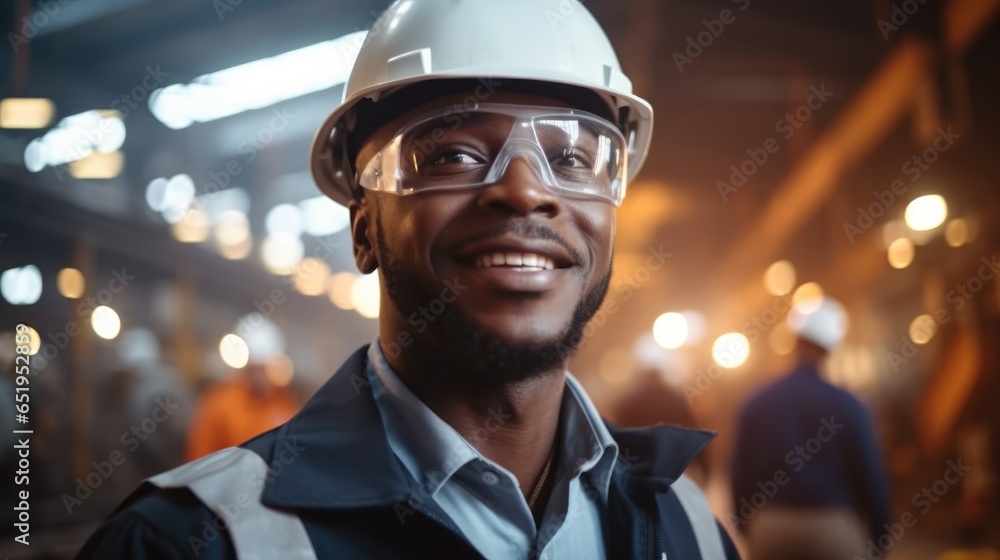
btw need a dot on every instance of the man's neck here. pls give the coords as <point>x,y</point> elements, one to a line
<point>513,424</point>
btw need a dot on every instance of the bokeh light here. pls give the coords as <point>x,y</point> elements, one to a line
<point>365,296</point>
<point>926,212</point>
<point>901,253</point>
<point>234,351</point>
<point>71,283</point>
<point>34,340</point>
<point>282,253</point>
<point>311,276</point>
<point>192,227</point>
<point>340,290</point>
<point>21,286</point>
<point>670,330</point>
<point>106,322</point>
<point>923,329</point>
<point>779,279</point>
<point>731,350</point>
<point>956,233</point>
<point>808,297</point>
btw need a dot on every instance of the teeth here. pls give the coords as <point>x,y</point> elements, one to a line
<point>521,261</point>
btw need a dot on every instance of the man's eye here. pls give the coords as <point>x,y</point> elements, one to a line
<point>572,158</point>
<point>454,158</point>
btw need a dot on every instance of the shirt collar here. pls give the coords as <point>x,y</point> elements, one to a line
<point>432,451</point>
<point>335,453</point>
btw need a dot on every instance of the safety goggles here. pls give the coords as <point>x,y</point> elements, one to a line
<point>572,153</point>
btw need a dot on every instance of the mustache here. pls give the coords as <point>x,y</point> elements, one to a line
<point>526,229</point>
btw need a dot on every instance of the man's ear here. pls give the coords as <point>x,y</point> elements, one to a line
<point>363,235</point>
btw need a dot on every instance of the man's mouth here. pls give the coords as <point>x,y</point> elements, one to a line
<point>528,262</point>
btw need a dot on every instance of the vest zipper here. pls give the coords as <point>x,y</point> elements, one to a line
<point>658,549</point>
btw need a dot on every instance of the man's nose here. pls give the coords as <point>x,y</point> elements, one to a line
<point>520,189</point>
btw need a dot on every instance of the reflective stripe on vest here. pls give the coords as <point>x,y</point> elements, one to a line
<point>230,483</point>
<point>699,512</point>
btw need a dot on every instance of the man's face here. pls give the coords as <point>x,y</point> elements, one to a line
<point>501,277</point>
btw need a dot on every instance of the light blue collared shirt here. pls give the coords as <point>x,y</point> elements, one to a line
<point>484,499</point>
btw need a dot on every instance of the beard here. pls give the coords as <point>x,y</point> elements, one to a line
<point>491,360</point>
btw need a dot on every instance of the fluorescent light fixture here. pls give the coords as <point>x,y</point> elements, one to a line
<point>25,112</point>
<point>76,137</point>
<point>257,84</point>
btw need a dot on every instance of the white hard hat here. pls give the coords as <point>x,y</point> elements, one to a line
<point>822,321</point>
<point>415,41</point>
<point>264,339</point>
<point>139,347</point>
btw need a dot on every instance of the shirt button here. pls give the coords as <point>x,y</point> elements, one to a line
<point>491,478</point>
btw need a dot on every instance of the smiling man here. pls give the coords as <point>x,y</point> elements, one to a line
<point>483,149</point>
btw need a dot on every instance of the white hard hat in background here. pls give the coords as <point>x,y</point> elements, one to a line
<point>138,347</point>
<point>545,41</point>
<point>264,339</point>
<point>822,321</point>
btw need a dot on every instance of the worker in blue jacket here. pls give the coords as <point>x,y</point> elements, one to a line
<point>482,149</point>
<point>808,479</point>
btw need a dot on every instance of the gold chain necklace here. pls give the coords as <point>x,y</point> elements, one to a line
<point>541,480</point>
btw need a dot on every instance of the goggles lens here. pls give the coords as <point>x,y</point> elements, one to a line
<point>572,153</point>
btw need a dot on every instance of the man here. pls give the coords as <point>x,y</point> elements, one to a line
<point>807,477</point>
<point>248,403</point>
<point>482,152</point>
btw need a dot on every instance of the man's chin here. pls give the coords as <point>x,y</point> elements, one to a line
<point>493,357</point>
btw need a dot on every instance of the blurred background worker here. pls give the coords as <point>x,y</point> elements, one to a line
<point>808,480</point>
<point>653,400</point>
<point>250,402</point>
